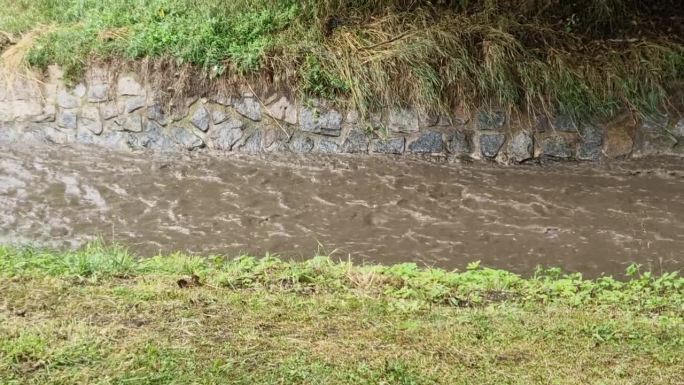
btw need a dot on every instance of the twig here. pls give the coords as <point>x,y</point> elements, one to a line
<point>400,36</point>
<point>631,40</point>
<point>269,115</point>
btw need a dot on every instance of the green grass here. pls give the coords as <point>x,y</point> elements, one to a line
<point>101,316</point>
<point>578,58</point>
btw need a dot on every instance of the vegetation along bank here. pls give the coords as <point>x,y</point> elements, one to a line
<point>101,316</point>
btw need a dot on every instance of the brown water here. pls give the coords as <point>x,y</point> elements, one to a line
<point>587,218</point>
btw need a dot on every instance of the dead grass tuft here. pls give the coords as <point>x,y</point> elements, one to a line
<point>13,65</point>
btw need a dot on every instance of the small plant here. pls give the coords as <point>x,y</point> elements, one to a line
<point>473,266</point>
<point>316,80</point>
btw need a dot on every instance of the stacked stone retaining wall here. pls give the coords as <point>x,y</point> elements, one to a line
<point>122,112</point>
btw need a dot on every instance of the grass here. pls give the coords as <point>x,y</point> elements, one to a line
<point>102,316</point>
<point>579,58</point>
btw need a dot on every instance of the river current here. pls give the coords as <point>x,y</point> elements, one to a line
<point>591,218</point>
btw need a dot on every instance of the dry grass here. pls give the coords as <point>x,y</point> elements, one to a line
<point>13,65</point>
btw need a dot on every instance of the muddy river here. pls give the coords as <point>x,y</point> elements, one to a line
<point>589,218</point>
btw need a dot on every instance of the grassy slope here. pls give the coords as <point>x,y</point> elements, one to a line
<point>580,57</point>
<point>98,316</point>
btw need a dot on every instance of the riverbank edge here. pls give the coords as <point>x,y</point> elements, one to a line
<point>122,109</point>
<point>475,286</point>
<point>99,315</point>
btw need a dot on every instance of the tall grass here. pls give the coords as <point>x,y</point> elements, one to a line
<point>586,57</point>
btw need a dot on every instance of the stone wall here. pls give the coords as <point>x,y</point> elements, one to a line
<point>122,112</point>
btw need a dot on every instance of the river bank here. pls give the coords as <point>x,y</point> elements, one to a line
<point>100,316</point>
<point>503,81</point>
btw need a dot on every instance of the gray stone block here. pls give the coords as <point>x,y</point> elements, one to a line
<point>224,137</point>
<point>655,122</point>
<point>67,99</point>
<point>591,142</point>
<point>133,104</point>
<point>109,111</point>
<point>53,135</point>
<point>90,120</point>
<point>651,141</point>
<point>85,137</point>
<point>301,144</point>
<point>459,143</point>
<point>67,119</point>
<point>222,99</point>
<point>388,146</point>
<point>328,147</point>
<point>98,93</point>
<point>48,114</point>
<point>283,110</point>
<point>152,137</point>
<point>429,142</point>
<point>130,123</point>
<point>114,140</point>
<point>156,113</point>
<point>26,110</point>
<point>219,116</point>
<point>249,108</point>
<point>253,143</point>
<point>521,147</point>
<point>491,144</point>
<point>356,142</point>
<point>185,139</point>
<point>557,147</point>
<point>127,85</point>
<point>542,123</point>
<point>403,120</point>
<point>200,119</point>
<point>274,139</point>
<point>320,122</point>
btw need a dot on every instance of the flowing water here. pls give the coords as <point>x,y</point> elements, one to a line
<point>589,218</point>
